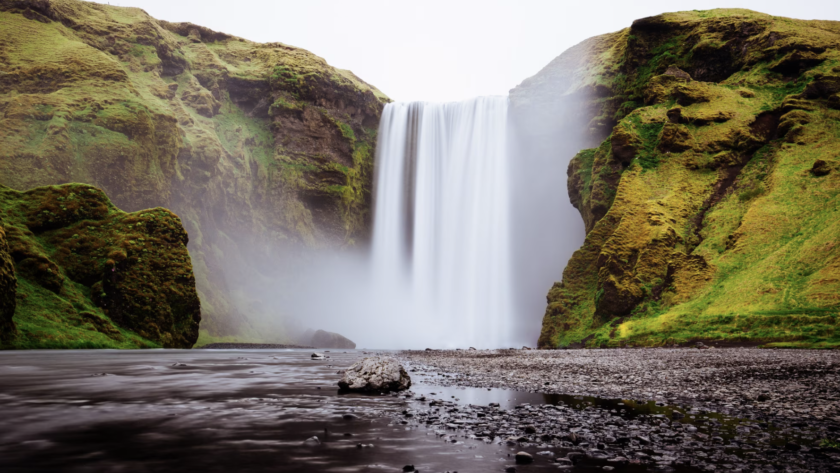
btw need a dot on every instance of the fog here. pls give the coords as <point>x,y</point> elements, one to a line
<point>398,303</point>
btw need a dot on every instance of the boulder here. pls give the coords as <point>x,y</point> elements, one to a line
<point>524,458</point>
<point>324,339</point>
<point>375,374</point>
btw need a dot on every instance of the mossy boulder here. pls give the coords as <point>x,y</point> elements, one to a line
<point>91,275</point>
<point>722,216</point>
<point>264,150</point>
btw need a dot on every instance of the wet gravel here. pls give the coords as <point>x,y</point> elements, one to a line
<point>670,409</point>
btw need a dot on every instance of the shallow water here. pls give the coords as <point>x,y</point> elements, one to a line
<point>213,410</point>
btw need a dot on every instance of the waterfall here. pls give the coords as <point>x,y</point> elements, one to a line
<point>441,244</point>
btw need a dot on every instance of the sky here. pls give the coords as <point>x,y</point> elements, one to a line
<point>441,50</point>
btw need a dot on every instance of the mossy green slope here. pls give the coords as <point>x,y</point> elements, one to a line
<point>92,276</point>
<point>711,207</point>
<point>264,150</point>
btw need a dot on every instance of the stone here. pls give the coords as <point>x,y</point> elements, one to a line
<point>312,441</point>
<point>678,73</point>
<point>820,168</point>
<point>324,339</point>
<point>317,356</point>
<point>408,468</point>
<point>524,458</point>
<point>375,374</point>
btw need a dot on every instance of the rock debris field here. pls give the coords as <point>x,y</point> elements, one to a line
<point>738,409</point>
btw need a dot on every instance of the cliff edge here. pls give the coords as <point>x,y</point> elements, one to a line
<point>711,203</point>
<point>264,150</point>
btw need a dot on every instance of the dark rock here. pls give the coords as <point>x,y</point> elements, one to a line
<point>324,339</point>
<point>575,456</point>
<point>523,458</point>
<point>408,468</point>
<point>820,168</point>
<point>793,447</point>
<point>678,73</point>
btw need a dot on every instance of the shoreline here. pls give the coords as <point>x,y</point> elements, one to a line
<point>715,391</point>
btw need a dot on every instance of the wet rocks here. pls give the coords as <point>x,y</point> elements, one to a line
<point>317,356</point>
<point>782,431</point>
<point>524,458</point>
<point>375,374</point>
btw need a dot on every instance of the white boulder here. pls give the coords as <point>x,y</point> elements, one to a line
<point>375,374</point>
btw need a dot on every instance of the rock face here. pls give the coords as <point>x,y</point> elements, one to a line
<point>264,150</point>
<point>710,206</point>
<point>323,339</point>
<point>92,276</point>
<point>375,374</point>
<point>8,288</point>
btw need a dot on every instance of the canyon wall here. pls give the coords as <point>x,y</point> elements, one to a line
<point>710,193</point>
<point>263,150</point>
<point>76,272</point>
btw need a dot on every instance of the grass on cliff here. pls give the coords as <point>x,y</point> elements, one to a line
<point>47,321</point>
<point>770,241</point>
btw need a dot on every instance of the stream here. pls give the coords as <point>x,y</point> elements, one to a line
<point>260,410</point>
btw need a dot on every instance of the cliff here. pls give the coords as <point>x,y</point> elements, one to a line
<point>89,275</point>
<point>711,203</point>
<point>264,150</point>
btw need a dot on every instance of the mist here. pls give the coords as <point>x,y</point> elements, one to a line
<point>287,289</point>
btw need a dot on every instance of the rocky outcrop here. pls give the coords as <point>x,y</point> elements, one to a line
<point>323,339</point>
<point>264,150</point>
<point>375,374</point>
<point>710,205</point>
<point>90,275</point>
<point>8,288</point>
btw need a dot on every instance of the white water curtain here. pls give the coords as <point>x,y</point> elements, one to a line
<point>441,244</point>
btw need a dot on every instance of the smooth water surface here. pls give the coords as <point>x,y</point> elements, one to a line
<point>213,410</point>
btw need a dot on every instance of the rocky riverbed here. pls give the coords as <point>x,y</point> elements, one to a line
<point>683,409</point>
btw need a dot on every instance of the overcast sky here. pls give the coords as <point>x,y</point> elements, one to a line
<point>441,50</point>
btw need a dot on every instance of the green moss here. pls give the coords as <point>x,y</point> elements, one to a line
<point>722,231</point>
<point>93,276</point>
<point>214,127</point>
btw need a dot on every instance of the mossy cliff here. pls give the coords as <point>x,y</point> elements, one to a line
<point>264,150</point>
<point>711,204</point>
<point>76,272</point>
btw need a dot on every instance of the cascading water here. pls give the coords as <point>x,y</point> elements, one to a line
<point>441,243</point>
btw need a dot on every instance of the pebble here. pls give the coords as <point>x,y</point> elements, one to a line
<point>704,432</point>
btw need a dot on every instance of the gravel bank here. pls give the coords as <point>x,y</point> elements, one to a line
<point>739,409</point>
<point>802,384</point>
